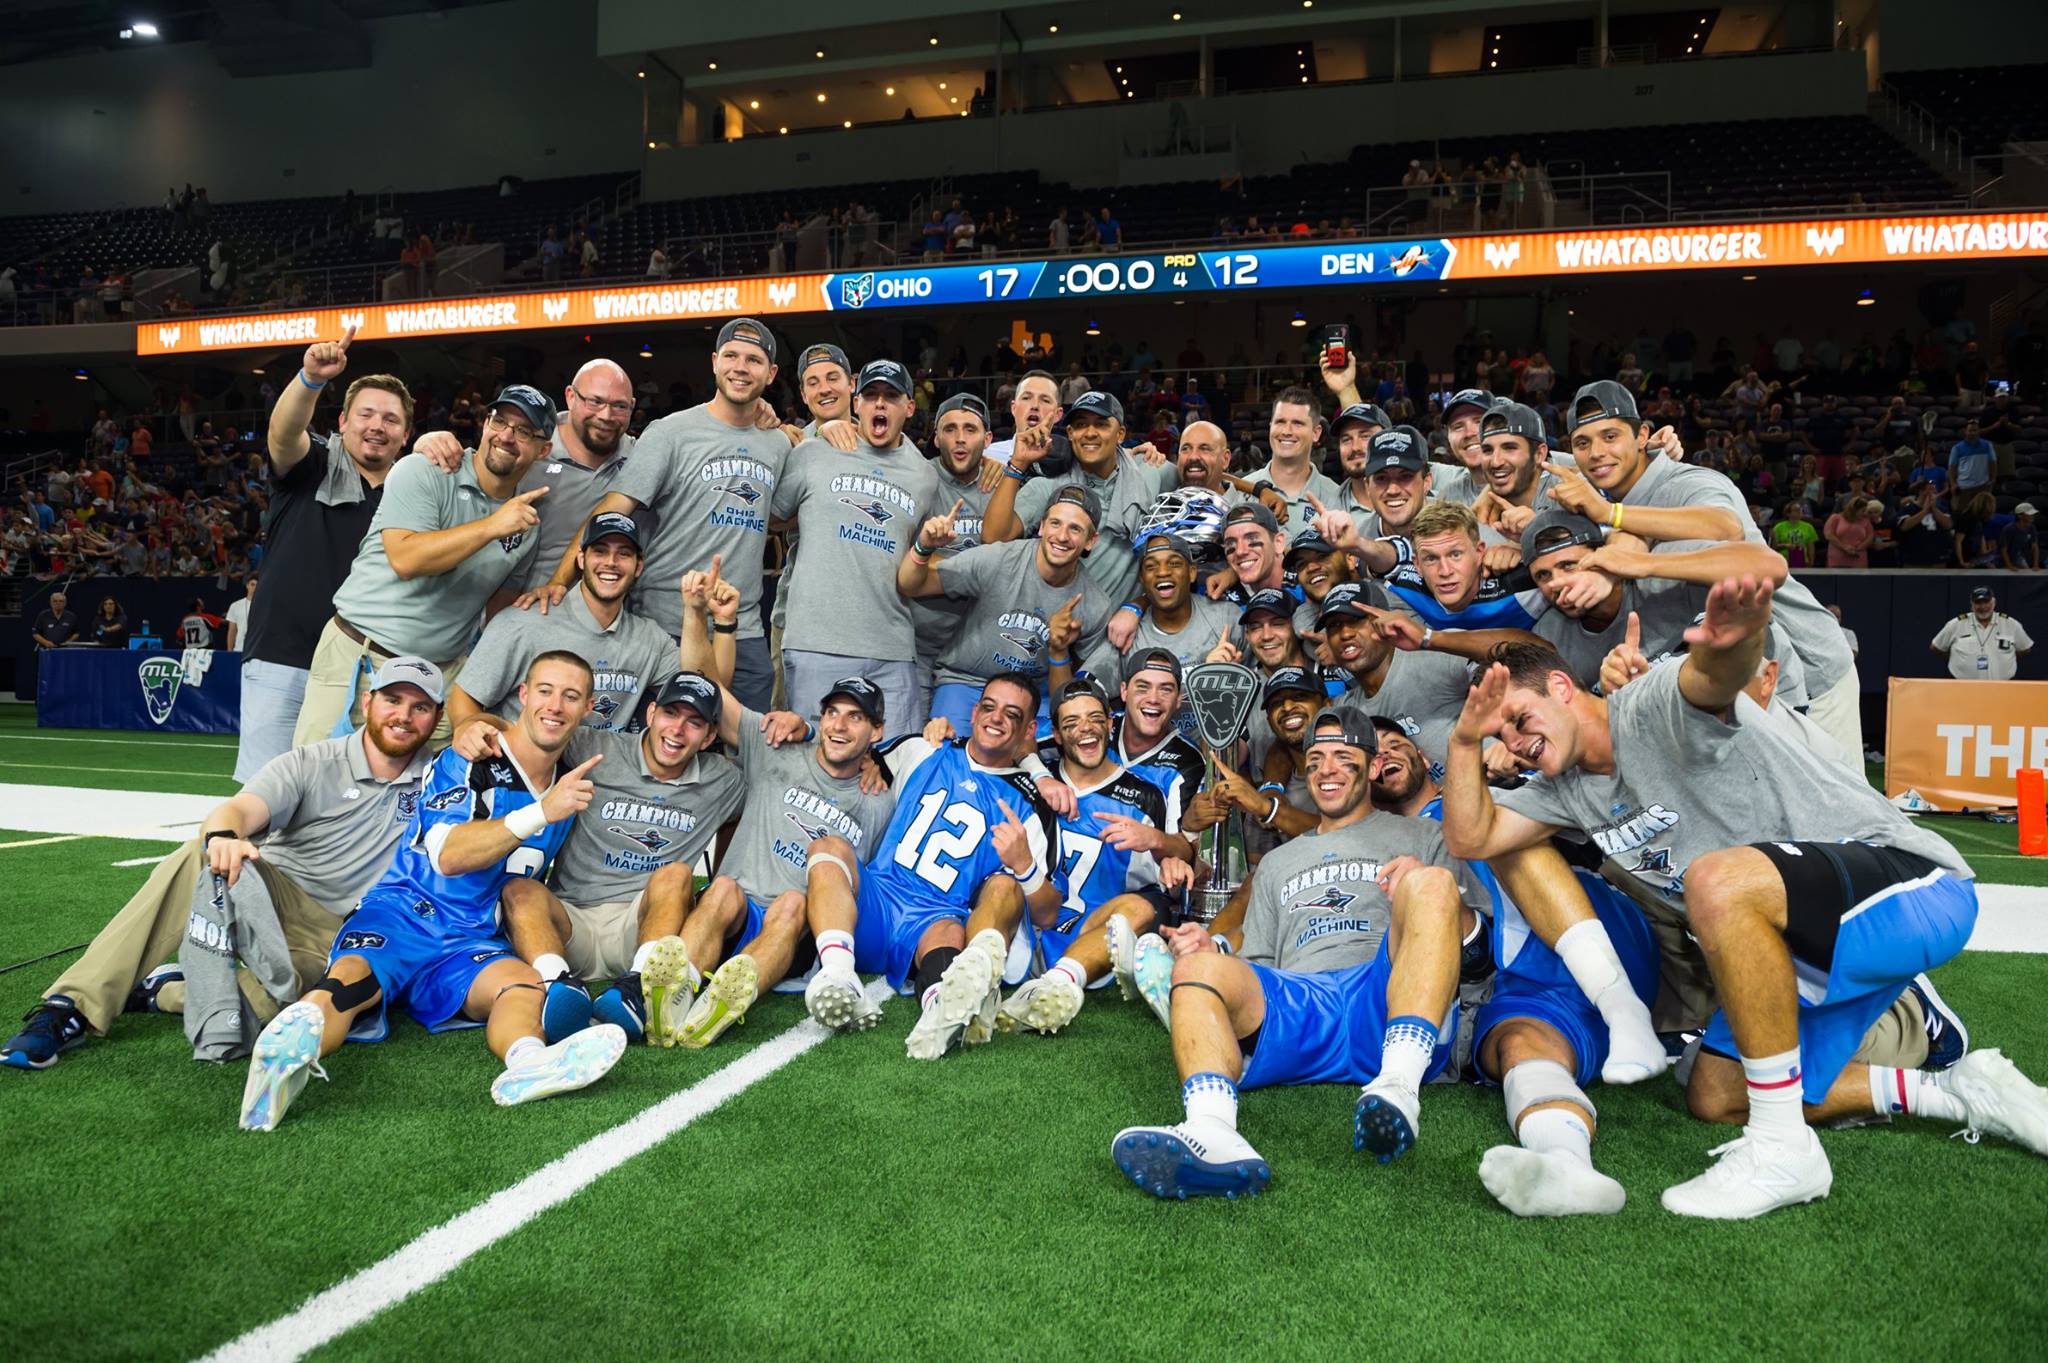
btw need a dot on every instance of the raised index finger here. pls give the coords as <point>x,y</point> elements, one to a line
<point>583,768</point>
<point>1317,503</point>
<point>1003,805</point>
<point>958,502</point>
<point>346,337</point>
<point>1634,634</point>
<point>1552,466</point>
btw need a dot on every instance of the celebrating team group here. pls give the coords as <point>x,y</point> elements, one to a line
<point>1551,774</point>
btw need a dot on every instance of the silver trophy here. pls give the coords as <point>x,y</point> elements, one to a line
<point>1222,696</point>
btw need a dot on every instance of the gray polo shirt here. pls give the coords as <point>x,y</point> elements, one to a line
<point>937,619</point>
<point>435,617</point>
<point>1010,604</point>
<point>638,823</point>
<point>333,825</point>
<point>1127,494</point>
<point>792,801</point>
<point>573,493</point>
<point>708,485</point>
<point>859,513</point>
<point>627,657</point>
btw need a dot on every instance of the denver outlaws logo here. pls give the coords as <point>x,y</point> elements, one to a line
<point>648,838</point>
<point>873,510</point>
<point>856,292</point>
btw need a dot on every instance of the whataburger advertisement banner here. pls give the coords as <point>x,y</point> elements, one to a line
<point>1961,744</point>
<point>1239,268</point>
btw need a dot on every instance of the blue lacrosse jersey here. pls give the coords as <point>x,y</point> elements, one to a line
<point>938,849</point>
<point>457,791</point>
<point>1176,767</point>
<point>1088,870</point>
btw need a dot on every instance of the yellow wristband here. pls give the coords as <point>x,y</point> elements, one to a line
<point>1614,519</point>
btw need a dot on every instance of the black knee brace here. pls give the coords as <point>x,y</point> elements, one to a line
<point>346,998</point>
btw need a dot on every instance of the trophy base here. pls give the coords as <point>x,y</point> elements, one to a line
<point>1204,904</point>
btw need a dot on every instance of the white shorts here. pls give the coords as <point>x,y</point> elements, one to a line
<point>603,938</point>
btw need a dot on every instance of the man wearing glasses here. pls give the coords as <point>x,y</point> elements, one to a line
<point>440,549</point>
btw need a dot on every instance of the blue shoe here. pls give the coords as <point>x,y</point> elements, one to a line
<point>1385,1123</point>
<point>623,1007</point>
<point>142,998</point>
<point>566,1010</point>
<point>1193,1159</point>
<point>54,1027</point>
<point>1947,1039</point>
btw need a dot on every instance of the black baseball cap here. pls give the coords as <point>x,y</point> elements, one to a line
<point>1173,544</point>
<point>1256,512</point>
<point>883,371</point>
<point>1602,400</point>
<point>1345,727</point>
<point>1309,541</point>
<point>1514,418</point>
<point>1468,397</point>
<point>1082,686</point>
<point>752,332</point>
<point>1364,412</point>
<point>612,523</point>
<point>537,407</point>
<point>1343,602</point>
<point>861,692</point>
<point>1272,601</point>
<point>1081,497</point>
<point>823,350</point>
<point>1095,402</point>
<point>1290,679</point>
<point>1398,447</point>
<point>1981,594</point>
<point>693,689</point>
<point>1552,519</point>
<point>963,402</point>
<point>1152,660</point>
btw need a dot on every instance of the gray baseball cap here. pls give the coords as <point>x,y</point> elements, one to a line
<point>1547,522</point>
<point>411,670</point>
<point>748,330</point>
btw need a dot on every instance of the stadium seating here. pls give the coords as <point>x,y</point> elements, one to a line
<point>1989,105</point>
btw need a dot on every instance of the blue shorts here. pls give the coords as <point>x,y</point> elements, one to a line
<point>1881,943</point>
<point>1537,985</point>
<point>1326,1027</point>
<point>428,974</point>
<point>886,930</point>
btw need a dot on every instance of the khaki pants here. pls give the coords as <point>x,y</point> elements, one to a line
<point>1839,713</point>
<point>150,928</point>
<point>338,680</point>
<point>603,938</point>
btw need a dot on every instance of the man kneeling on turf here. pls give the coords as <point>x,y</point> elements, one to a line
<point>1349,970</point>
<point>426,935</point>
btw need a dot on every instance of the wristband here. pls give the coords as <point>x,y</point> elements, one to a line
<point>1012,471</point>
<point>1058,662</point>
<point>218,833</point>
<point>524,823</point>
<point>316,387</point>
<point>917,547</point>
<point>717,628</point>
<point>1134,608</point>
<point>1272,813</point>
<point>1222,943</point>
<point>1615,518</point>
<point>1030,884</point>
<point>1427,632</point>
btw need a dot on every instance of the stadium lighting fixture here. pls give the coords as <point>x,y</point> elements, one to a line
<point>820,54</point>
<point>646,351</point>
<point>1299,320</point>
<point>1308,4</point>
<point>650,146</point>
<point>942,85</point>
<point>639,75</point>
<point>1749,279</point>
<point>1052,28</point>
<point>954,100</point>
<point>1176,16</point>
<point>712,65</point>
<point>847,123</point>
<point>753,104</point>
<point>80,375</point>
<point>783,131</point>
<point>1865,299</point>
<point>821,96</point>
<point>1094,329</point>
<point>933,40</point>
<point>144,29</point>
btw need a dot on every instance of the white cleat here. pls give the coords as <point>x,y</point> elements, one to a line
<point>286,1055</point>
<point>1123,955</point>
<point>572,1063</point>
<point>1386,1120</point>
<point>1999,1099</point>
<point>1754,1176</point>
<point>963,991</point>
<point>727,995</point>
<point>981,1028</point>
<point>1192,1159</point>
<point>1045,1005</point>
<point>1547,1183</point>
<point>834,997</point>
<point>1152,966</point>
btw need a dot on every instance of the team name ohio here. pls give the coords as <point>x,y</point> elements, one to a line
<point>1633,831</point>
<point>1330,873</point>
<point>851,489</point>
<point>744,485</point>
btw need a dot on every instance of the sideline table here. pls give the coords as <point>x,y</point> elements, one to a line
<point>194,691</point>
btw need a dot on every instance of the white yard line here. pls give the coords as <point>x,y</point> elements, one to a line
<point>142,861</point>
<point>140,739</point>
<point>43,842</point>
<point>440,1251</point>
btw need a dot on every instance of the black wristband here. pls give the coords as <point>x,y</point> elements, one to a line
<point>733,628</point>
<point>218,833</point>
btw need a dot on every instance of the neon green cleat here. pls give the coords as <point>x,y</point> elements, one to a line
<point>726,996</point>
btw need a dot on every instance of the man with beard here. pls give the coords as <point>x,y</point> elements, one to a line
<point>1173,616</point>
<point>707,474</point>
<point>625,651</point>
<point>1267,627</point>
<point>1398,484</point>
<point>426,936</point>
<point>1346,974</point>
<point>317,825</point>
<point>1035,408</point>
<point>1461,479</point>
<point>1353,431</point>
<point>1292,433</point>
<point>1279,805</point>
<point>1514,458</point>
<point>859,514</point>
<point>440,549</point>
<point>960,433</point>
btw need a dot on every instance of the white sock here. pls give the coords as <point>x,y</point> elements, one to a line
<point>550,966</point>
<point>523,1050</point>
<point>1588,952</point>
<point>640,955</point>
<point>1409,1046</point>
<point>832,940</point>
<point>1775,1090</point>
<point>1913,1093</point>
<point>1559,1130</point>
<point>1210,1096</point>
<point>1072,969</point>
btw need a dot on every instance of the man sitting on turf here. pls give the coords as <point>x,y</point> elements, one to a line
<point>1814,900</point>
<point>427,936</point>
<point>1349,967</point>
<point>315,826</point>
<point>942,893</point>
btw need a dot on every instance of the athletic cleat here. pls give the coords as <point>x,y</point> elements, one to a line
<point>726,996</point>
<point>963,989</point>
<point>666,979</point>
<point>624,1007</point>
<point>1999,1099</point>
<point>1947,1039</point>
<point>286,1055</point>
<point>566,1008</point>
<point>1123,955</point>
<point>1386,1120</point>
<point>1193,1159</point>
<point>835,999</point>
<point>981,1028</point>
<point>1547,1183</point>
<point>1045,1005</point>
<point>1153,968</point>
<point>1754,1176</point>
<point>54,1027</point>
<point>577,1063</point>
<point>142,998</point>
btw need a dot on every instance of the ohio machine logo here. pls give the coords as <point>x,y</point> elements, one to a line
<point>1824,241</point>
<point>856,292</point>
<point>873,510</point>
<point>746,492</point>
<point>351,321</point>
<point>556,307</point>
<point>1502,255</point>
<point>161,679</point>
<point>647,838</point>
<point>813,831</point>
<point>1331,898</point>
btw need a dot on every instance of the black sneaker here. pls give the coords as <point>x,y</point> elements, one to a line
<point>624,1007</point>
<point>142,998</point>
<point>54,1027</point>
<point>1947,1039</point>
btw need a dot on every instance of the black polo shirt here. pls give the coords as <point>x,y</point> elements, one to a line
<point>308,546</point>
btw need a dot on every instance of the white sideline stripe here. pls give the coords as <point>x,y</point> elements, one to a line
<point>42,842</point>
<point>356,1299</point>
<point>142,861</point>
<point>140,740</point>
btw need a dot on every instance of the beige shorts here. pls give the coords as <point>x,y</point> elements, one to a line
<point>603,938</point>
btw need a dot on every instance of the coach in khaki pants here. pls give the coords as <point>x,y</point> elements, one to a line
<point>318,825</point>
<point>443,547</point>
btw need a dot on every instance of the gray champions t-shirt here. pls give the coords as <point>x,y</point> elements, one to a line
<point>937,618</point>
<point>1009,605</point>
<point>1316,903</point>
<point>1127,494</point>
<point>626,658</point>
<point>858,514</point>
<point>1209,623</point>
<point>637,823</point>
<point>791,801</point>
<point>708,485</point>
<point>334,826</point>
<point>1687,783</point>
